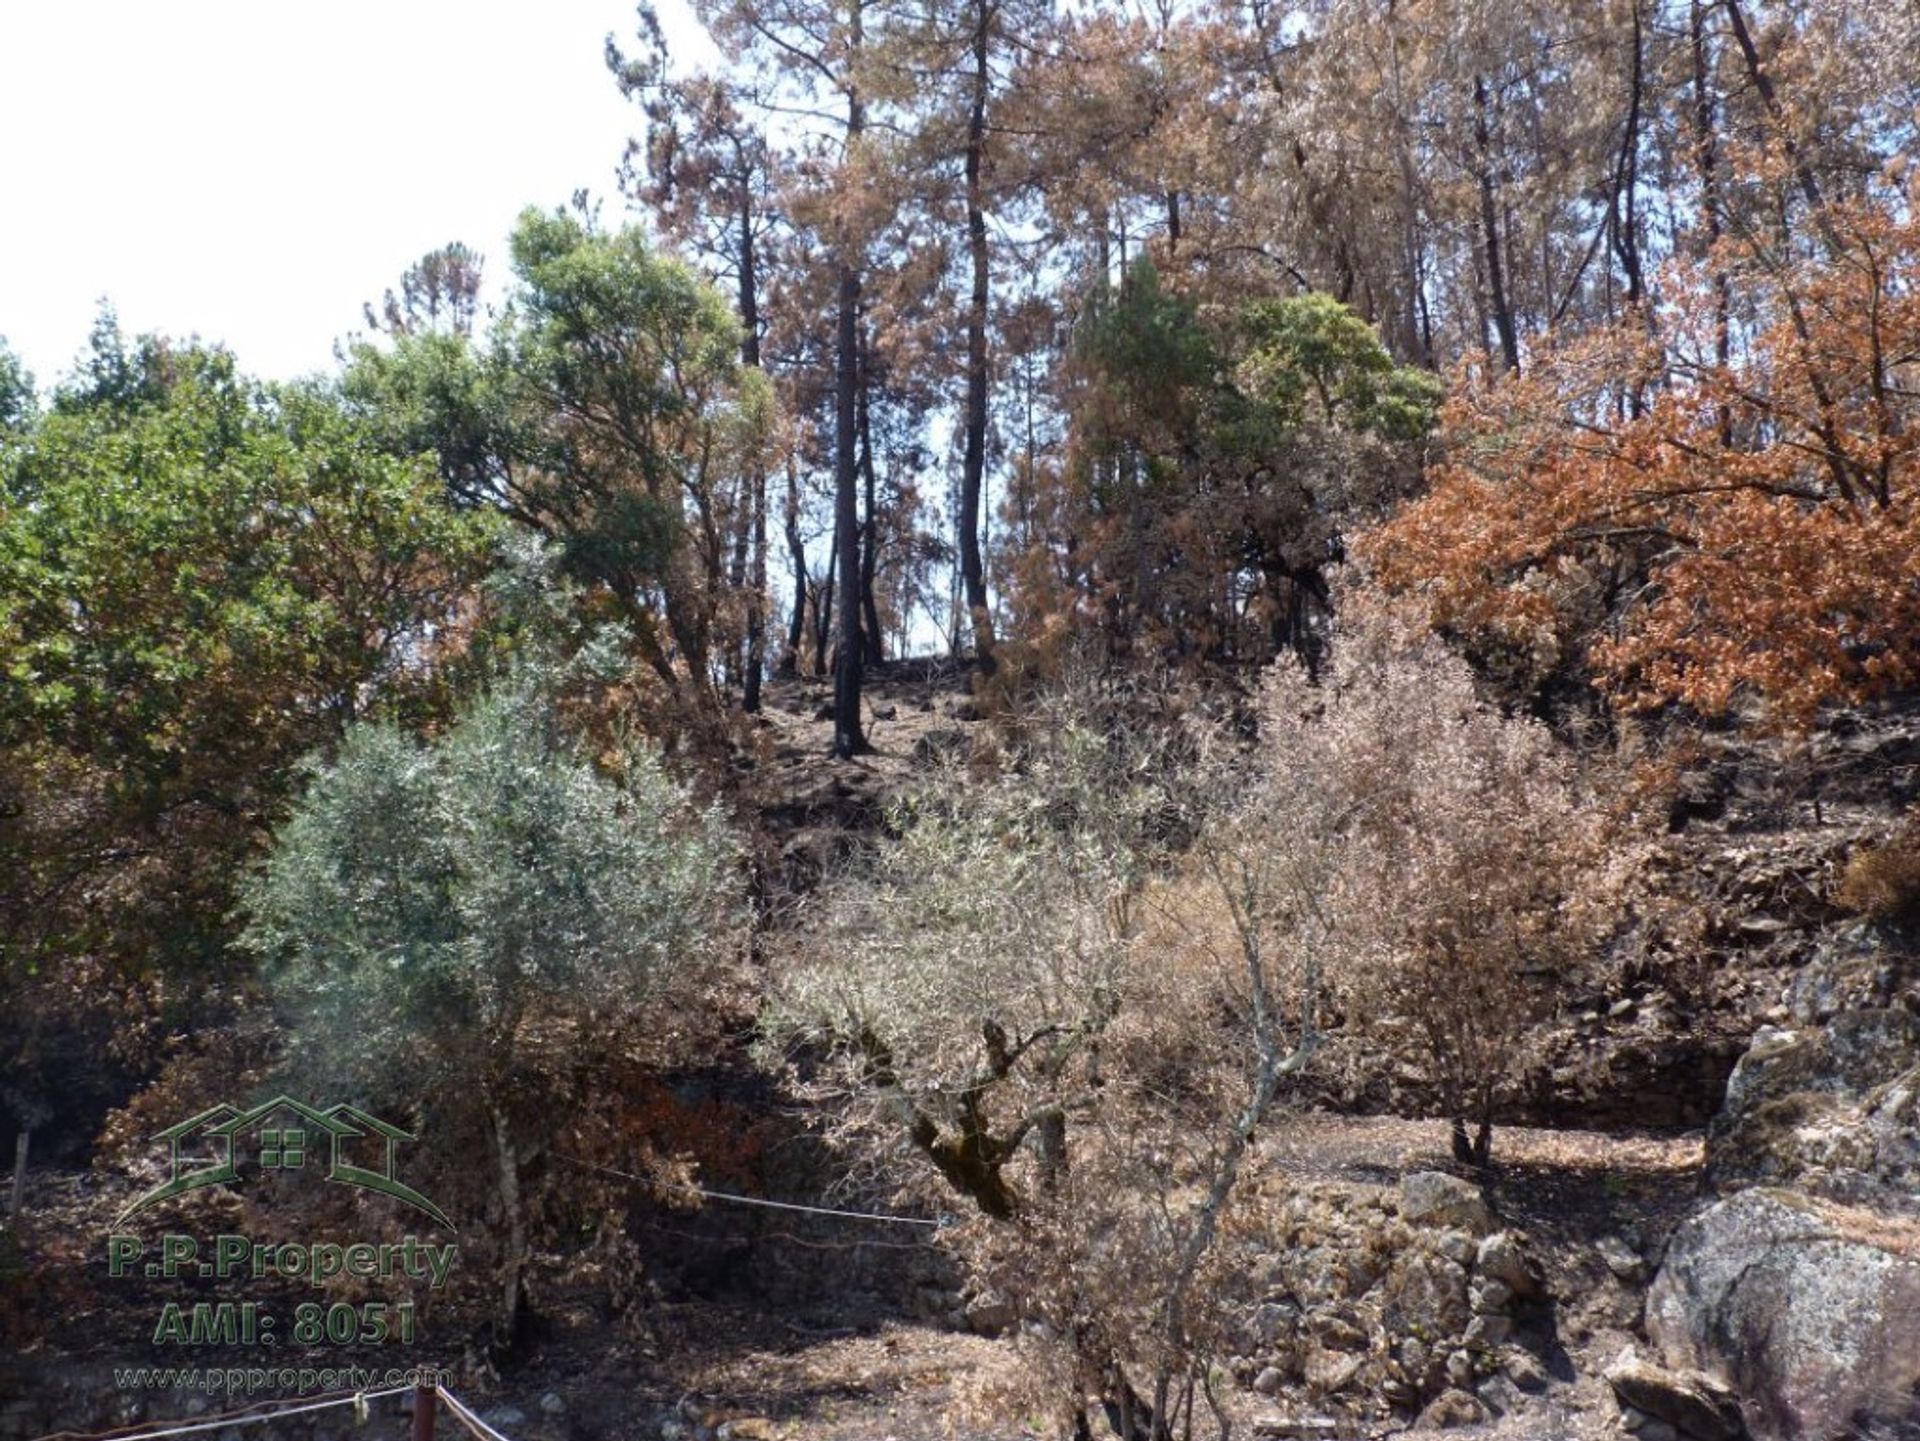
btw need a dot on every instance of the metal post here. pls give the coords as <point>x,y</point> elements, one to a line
<point>425,1402</point>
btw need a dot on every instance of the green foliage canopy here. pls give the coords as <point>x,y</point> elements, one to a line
<point>426,901</point>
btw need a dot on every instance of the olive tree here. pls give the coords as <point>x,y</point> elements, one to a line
<point>1021,993</point>
<point>462,923</point>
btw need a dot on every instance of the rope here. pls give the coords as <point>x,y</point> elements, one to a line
<point>464,1415</point>
<point>230,1418</point>
<point>750,1200</point>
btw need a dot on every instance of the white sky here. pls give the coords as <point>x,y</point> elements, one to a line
<point>251,171</point>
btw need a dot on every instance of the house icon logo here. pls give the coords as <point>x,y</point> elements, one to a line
<point>284,1135</point>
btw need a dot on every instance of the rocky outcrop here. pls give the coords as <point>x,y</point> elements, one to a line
<point>1409,1299</point>
<point>1829,1109</point>
<point>1809,1311</point>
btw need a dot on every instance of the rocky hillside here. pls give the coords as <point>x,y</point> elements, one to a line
<point>1702,1221</point>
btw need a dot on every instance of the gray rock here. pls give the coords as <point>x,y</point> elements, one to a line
<point>1523,1368</point>
<point>1810,1312</point>
<point>1269,1381</point>
<point>1489,1297</point>
<point>1460,1369</point>
<point>552,1403</point>
<point>1274,1322</point>
<point>1330,1371</point>
<point>1620,1258</point>
<point>1452,1408</point>
<point>1433,1198</point>
<point>1501,1257</point>
<point>990,1315</point>
<point>505,1416</point>
<point>1658,1430</point>
<point>1498,1395</point>
<point>1694,1403</point>
<point>1486,1332</point>
<point>1339,1333</point>
<point>1427,1296</point>
<point>1456,1246</point>
<point>1828,1109</point>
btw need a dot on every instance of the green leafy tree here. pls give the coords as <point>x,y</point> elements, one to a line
<point>610,411</point>
<point>17,402</point>
<point>1219,454</point>
<point>473,922</point>
<point>201,580</point>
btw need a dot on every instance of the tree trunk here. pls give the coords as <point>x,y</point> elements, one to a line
<point>1623,223</point>
<point>756,481</point>
<point>17,1194</point>
<point>849,739</point>
<point>797,558</point>
<point>513,1265</point>
<point>974,455</point>
<point>1490,227</point>
<point>1763,82</point>
<point>870,633</point>
<point>1707,157</point>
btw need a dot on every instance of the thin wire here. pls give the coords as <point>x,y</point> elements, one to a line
<point>229,1418</point>
<point>465,1416</point>
<point>749,1200</point>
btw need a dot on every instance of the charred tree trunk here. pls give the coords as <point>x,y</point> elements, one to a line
<point>849,739</point>
<point>797,558</point>
<point>1762,82</point>
<point>1707,158</point>
<point>974,455</point>
<point>1490,227</point>
<point>755,530</point>
<point>871,635</point>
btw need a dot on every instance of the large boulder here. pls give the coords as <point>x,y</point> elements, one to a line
<point>1807,1310</point>
<point>1433,1198</point>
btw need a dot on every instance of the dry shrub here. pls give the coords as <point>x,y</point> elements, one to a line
<point>1073,990</point>
<point>1882,882</point>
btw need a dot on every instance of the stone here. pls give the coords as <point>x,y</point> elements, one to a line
<point>1524,1369</point>
<point>1456,1246</point>
<point>1452,1408</point>
<point>1433,1198</point>
<point>1274,1323</point>
<point>1501,1258</point>
<point>1330,1371</point>
<point>1693,1402</point>
<point>1415,1356</point>
<point>505,1416</point>
<point>1658,1430</point>
<point>1460,1369</point>
<point>1620,1258</point>
<point>989,1315</point>
<point>1427,1297</point>
<point>1269,1381</point>
<point>1498,1395</point>
<point>1809,1311</point>
<point>1489,1297</point>
<point>553,1404</point>
<point>1396,1392</point>
<point>1339,1333</point>
<point>748,1428</point>
<point>1487,1332</point>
